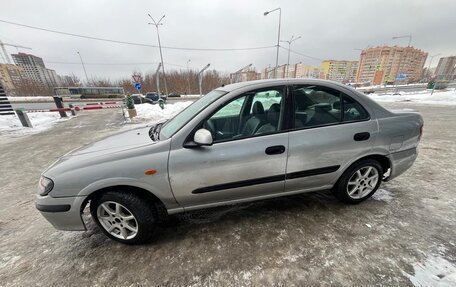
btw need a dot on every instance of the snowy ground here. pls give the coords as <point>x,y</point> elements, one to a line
<point>424,97</point>
<point>11,126</point>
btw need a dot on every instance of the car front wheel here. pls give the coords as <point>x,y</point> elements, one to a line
<point>359,182</point>
<point>124,217</point>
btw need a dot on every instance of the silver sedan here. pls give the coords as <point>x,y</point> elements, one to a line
<point>242,142</point>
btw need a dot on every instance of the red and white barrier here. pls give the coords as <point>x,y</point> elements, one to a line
<point>77,108</point>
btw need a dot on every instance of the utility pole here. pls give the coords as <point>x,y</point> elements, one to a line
<point>157,78</point>
<point>83,67</point>
<point>200,79</point>
<point>156,24</point>
<point>289,47</point>
<point>188,77</point>
<point>278,38</point>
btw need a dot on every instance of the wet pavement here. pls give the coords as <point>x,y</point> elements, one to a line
<point>405,233</point>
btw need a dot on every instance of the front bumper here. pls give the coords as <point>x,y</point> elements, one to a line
<point>63,213</point>
<point>401,161</point>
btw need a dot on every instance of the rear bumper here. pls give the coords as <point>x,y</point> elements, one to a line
<point>63,213</point>
<point>401,161</point>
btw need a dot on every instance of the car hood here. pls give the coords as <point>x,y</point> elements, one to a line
<point>109,148</point>
<point>117,142</point>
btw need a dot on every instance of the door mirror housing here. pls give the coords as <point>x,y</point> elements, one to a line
<point>203,137</point>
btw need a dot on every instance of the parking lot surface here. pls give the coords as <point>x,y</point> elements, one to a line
<point>403,236</point>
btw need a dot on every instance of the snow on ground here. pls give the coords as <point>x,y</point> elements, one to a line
<point>10,124</point>
<point>424,97</point>
<point>383,195</point>
<point>153,113</point>
<point>435,271</point>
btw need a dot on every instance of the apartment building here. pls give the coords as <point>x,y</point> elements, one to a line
<point>298,70</point>
<point>343,71</point>
<point>34,69</point>
<point>10,76</point>
<point>385,64</point>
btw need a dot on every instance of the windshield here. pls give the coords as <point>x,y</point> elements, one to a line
<point>176,123</point>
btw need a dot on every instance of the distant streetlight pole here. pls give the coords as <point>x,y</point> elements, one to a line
<point>237,72</point>
<point>289,47</point>
<point>188,77</point>
<point>278,38</point>
<point>157,78</point>
<point>156,24</point>
<point>83,67</point>
<point>200,79</point>
<point>430,62</point>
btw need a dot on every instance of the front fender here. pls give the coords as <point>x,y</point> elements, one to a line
<point>164,194</point>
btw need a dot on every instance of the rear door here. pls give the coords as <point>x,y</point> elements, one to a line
<point>329,129</point>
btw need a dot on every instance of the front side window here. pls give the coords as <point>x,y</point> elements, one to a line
<point>253,113</point>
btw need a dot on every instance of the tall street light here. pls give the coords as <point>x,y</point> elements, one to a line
<point>278,38</point>
<point>200,78</point>
<point>430,62</point>
<point>157,78</point>
<point>156,24</point>
<point>289,47</point>
<point>83,67</point>
<point>188,77</point>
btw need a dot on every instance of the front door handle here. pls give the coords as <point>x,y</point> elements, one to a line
<point>361,136</point>
<point>276,149</point>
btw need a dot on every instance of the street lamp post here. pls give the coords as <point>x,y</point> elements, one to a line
<point>157,78</point>
<point>188,77</point>
<point>278,38</point>
<point>156,24</point>
<point>237,72</point>
<point>200,79</point>
<point>83,67</point>
<point>289,47</point>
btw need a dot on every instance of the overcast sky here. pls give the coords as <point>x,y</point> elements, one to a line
<point>330,29</point>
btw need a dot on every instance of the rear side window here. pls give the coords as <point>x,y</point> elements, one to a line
<point>319,106</point>
<point>353,111</point>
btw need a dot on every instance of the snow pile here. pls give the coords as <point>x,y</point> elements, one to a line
<point>30,99</point>
<point>10,124</point>
<point>425,97</point>
<point>383,195</point>
<point>435,271</point>
<point>153,113</point>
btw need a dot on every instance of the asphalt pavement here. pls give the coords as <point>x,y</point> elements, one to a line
<point>406,233</point>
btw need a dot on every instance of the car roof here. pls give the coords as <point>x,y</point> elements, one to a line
<point>283,81</point>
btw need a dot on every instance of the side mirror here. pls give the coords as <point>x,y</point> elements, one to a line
<point>202,137</point>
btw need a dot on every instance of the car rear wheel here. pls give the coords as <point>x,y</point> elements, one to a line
<point>359,182</point>
<point>124,217</point>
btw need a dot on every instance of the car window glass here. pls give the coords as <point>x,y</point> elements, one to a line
<point>353,111</point>
<point>316,106</point>
<point>251,114</point>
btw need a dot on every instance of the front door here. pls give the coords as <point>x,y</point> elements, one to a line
<point>248,157</point>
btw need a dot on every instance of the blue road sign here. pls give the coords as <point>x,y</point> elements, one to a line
<point>401,77</point>
<point>137,86</point>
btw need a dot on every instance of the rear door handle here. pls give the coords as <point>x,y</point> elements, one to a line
<point>361,136</point>
<point>276,149</point>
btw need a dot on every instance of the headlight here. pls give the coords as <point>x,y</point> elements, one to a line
<point>45,185</point>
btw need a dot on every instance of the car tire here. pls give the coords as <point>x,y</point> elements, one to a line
<point>124,216</point>
<point>359,182</point>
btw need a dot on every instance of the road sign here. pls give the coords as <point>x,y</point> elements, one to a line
<point>401,77</point>
<point>138,86</point>
<point>136,78</point>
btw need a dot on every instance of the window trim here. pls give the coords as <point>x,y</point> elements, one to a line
<point>342,95</point>
<point>188,142</point>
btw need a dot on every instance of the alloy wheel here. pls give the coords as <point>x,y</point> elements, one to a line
<point>362,182</point>
<point>117,220</point>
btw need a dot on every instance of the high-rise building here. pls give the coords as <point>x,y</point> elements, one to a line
<point>339,70</point>
<point>446,69</point>
<point>248,75</point>
<point>379,65</point>
<point>11,76</point>
<point>35,69</point>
